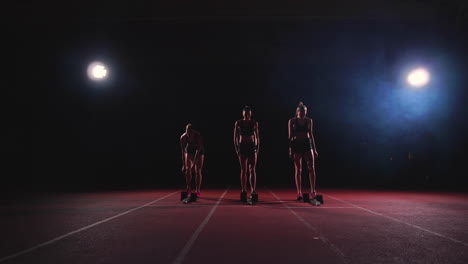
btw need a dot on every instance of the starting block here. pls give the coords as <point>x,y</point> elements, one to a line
<point>183,195</point>
<point>188,199</point>
<point>253,199</point>
<point>243,197</point>
<point>319,198</point>
<point>193,197</point>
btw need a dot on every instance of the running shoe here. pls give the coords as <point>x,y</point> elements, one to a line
<point>299,196</point>
<point>313,195</point>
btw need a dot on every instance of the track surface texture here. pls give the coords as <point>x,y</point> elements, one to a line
<point>154,226</point>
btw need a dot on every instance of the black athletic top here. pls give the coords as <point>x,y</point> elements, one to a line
<point>301,128</point>
<point>246,128</point>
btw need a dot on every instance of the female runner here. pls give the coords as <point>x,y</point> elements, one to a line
<point>191,144</point>
<point>302,147</point>
<point>247,145</point>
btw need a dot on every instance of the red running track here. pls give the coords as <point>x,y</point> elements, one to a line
<point>353,226</point>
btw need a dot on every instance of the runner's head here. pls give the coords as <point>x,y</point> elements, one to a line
<point>247,112</point>
<point>301,110</point>
<point>188,128</point>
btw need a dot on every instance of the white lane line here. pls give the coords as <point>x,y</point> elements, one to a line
<point>323,238</point>
<point>320,207</point>
<point>254,206</point>
<point>79,230</point>
<point>197,232</point>
<point>199,206</point>
<point>403,222</point>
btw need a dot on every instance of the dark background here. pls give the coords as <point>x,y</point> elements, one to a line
<point>202,62</point>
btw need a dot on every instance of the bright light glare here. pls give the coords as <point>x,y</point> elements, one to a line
<point>418,77</point>
<point>97,71</point>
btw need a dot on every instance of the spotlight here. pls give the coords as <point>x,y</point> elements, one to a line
<point>418,77</point>
<point>97,71</point>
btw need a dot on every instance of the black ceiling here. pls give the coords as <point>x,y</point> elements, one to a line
<point>451,10</point>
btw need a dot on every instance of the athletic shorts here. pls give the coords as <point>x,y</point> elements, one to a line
<point>193,149</point>
<point>301,146</point>
<point>247,149</point>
